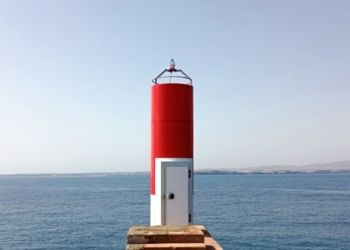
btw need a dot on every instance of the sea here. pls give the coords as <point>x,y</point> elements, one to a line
<point>271,211</point>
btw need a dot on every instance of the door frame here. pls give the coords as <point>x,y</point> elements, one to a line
<point>161,164</point>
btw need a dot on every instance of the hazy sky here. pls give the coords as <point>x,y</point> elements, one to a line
<point>271,81</point>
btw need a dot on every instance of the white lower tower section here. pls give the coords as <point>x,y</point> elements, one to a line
<point>172,203</point>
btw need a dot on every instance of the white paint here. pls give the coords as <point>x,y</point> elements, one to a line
<point>153,210</point>
<point>158,200</point>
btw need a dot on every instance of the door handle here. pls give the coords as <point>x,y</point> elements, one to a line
<point>170,196</point>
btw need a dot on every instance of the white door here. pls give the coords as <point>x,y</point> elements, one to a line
<point>176,195</point>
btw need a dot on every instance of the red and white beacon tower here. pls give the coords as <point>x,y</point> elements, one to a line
<point>172,149</point>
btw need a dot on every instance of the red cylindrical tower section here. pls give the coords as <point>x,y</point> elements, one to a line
<point>172,123</point>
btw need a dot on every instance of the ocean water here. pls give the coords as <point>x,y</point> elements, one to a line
<point>240,211</point>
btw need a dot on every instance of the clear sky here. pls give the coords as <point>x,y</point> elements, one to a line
<point>271,81</point>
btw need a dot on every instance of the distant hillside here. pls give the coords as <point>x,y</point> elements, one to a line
<point>332,167</point>
<point>341,167</point>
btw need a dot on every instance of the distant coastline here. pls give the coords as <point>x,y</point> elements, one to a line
<point>220,172</point>
<point>341,167</point>
<point>201,172</point>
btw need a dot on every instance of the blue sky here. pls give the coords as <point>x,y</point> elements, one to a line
<point>271,81</point>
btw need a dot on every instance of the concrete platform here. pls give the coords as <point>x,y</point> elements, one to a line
<point>167,246</point>
<point>164,234</point>
<point>209,241</point>
<point>183,237</point>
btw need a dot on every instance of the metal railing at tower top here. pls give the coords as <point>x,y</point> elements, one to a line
<point>172,70</point>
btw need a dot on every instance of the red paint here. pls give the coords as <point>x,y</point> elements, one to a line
<point>153,176</point>
<point>172,123</point>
